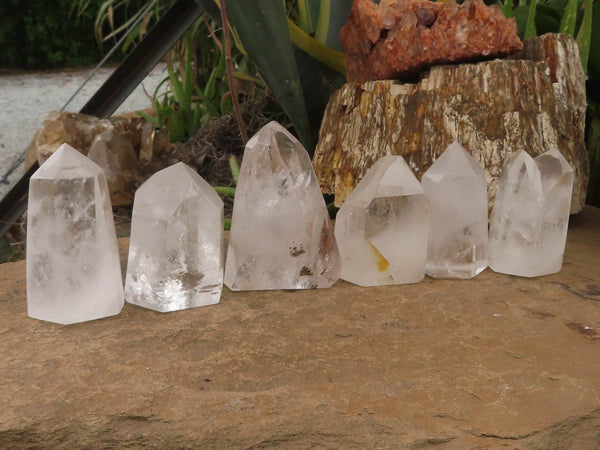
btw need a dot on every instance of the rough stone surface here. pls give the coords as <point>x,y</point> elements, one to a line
<point>116,155</point>
<point>80,131</point>
<point>492,108</point>
<point>492,362</point>
<point>399,38</point>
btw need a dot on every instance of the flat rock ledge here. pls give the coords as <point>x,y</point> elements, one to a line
<point>497,361</point>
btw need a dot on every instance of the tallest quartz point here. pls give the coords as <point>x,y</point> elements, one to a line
<point>73,269</point>
<point>281,235</point>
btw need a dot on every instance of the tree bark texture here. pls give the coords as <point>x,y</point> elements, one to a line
<point>533,101</point>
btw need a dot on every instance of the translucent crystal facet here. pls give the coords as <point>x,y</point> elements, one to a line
<point>113,153</point>
<point>382,227</point>
<point>528,225</point>
<point>73,269</point>
<point>281,235</point>
<point>458,216</point>
<point>176,245</point>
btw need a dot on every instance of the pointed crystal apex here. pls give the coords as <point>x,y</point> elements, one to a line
<point>73,269</point>
<point>175,250</point>
<point>381,229</point>
<point>458,227</point>
<point>528,226</point>
<point>67,162</point>
<point>454,161</point>
<point>281,236</point>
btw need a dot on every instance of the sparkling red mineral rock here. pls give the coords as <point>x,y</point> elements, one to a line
<point>400,38</point>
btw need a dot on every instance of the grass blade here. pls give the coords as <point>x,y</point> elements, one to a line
<point>584,36</point>
<point>530,31</point>
<point>569,19</point>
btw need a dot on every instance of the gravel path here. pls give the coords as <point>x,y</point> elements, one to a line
<point>26,98</point>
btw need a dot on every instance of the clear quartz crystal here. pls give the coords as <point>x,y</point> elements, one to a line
<point>458,217</point>
<point>281,236</point>
<point>176,245</point>
<point>382,227</point>
<point>528,225</point>
<point>73,268</point>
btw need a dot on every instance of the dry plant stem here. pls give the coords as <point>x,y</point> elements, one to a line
<point>212,34</point>
<point>230,80</point>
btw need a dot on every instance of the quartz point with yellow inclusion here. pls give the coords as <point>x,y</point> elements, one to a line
<point>382,227</point>
<point>458,215</point>
<point>176,245</point>
<point>281,235</point>
<point>529,221</point>
<point>73,269</point>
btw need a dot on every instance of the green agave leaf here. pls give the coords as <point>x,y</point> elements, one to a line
<point>530,30</point>
<point>507,8</point>
<point>331,58</point>
<point>584,36</point>
<point>308,15</point>
<point>594,56</point>
<point>333,15</point>
<point>319,82</point>
<point>569,19</point>
<point>593,146</point>
<point>262,28</point>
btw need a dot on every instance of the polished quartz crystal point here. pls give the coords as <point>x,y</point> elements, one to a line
<point>458,216</point>
<point>176,245</point>
<point>528,225</point>
<point>281,236</point>
<point>73,269</point>
<point>382,227</point>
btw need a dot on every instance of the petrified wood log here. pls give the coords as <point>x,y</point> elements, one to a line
<point>492,108</point>
<point>398,38</point>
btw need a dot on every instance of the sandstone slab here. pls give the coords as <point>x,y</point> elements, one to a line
<point>495,361</point>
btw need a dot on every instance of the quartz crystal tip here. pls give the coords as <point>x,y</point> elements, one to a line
<point>73,269</point>
<point>458,224</point>
<point>528,225</point>
<point>176,246</point>
<point>281,236</point>
<point>382,227</point>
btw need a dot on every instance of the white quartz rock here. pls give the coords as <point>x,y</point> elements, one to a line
<point>458,216</point>
<point>73,269</point>
<point>382,227</point>
<point>281,236</point>
<point>528,225</point>
<point>176,245</point>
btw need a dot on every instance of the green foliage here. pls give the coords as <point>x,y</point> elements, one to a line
<point>42,34</point>
<point>593,146</point>
<point>180,110</point>
<point>530,30</point>
<point>300,70</point>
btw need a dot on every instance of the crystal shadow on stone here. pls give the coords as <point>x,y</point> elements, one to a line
<point>458,216</point>
<point>382,227</point>
<point>73,268</point>
<point>529,222</point>
<point>281,235</point>
<point>176,245</point>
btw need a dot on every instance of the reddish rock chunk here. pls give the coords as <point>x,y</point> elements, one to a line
<point>400,38</point>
